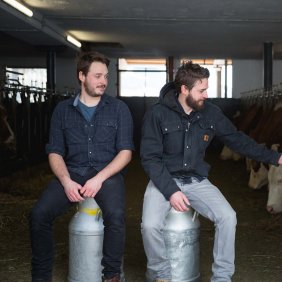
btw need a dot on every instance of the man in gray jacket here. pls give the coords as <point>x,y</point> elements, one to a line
<point>176,133</point>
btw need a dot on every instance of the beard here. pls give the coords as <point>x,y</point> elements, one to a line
<point>195,105</point>
<point>91,91</point>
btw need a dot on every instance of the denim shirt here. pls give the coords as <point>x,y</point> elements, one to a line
<point>87,145</point>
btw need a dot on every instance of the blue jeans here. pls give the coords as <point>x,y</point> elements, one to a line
<point>54,202</point>
<point>208,201</point>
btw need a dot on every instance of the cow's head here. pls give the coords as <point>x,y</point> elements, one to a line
<point>258,175</point>
<point>274,202</point>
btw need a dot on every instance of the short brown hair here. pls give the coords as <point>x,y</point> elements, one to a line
<point>188,74</point>
<point>85,60</point>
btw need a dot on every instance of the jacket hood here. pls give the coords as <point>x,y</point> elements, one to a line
<point>168,96</point>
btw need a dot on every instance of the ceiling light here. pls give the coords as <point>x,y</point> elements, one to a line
<point>73,41</point>
<point>19,7</point>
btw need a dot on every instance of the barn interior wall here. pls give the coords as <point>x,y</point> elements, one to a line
<point>277,72</point>
<point>247,74</point>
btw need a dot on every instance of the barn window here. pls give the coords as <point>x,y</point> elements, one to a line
<point>145,78</point>
<point>141,78</point>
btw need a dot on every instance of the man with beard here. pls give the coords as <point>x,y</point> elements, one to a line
<point>90,144</point>
<point>175,135</point>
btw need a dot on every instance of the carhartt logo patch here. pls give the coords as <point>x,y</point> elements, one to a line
<point>206,138</point>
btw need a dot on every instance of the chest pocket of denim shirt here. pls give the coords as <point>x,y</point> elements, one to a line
<point>207,132</point>
<point>105,131</point>
<point>172,137</point>
<point>74,132</point>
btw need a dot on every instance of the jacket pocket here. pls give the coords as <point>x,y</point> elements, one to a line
<point>172,137</point>
<point>207,133</point>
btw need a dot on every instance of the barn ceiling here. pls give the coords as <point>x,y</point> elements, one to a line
<point>156,28</point>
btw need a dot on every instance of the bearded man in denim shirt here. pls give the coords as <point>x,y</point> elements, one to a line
<point>90,144</point>
<point>176,132</point>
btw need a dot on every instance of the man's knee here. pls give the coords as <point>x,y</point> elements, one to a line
<point>150,227</point>
<point>38,216</point>
<point>229,216</point>
<point>114,217</point>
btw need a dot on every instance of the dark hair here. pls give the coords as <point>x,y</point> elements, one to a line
<point>85,60</point>
<point>188,74</point>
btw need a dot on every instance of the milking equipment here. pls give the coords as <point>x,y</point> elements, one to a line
<point>86,232</point>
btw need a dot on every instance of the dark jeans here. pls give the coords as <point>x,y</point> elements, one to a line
<point>54,202</point>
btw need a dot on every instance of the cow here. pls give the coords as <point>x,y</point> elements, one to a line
<point>274,201</point>
<point>267,133</point>
<point>258,175</point>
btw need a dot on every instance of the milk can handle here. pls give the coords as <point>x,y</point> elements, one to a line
<point>195,214</point>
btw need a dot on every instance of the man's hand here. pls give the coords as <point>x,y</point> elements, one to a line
<point>179,201</point>
<point>72,190</point>
<point>91,187</point>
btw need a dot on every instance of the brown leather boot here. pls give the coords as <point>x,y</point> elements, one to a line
<point>116,278</point>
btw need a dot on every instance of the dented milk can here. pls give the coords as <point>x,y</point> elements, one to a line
<point>181,233</point>
<point>86,232</point>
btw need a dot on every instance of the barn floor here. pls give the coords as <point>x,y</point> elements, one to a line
<point>259,234</point>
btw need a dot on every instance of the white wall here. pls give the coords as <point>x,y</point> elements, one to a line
<point>248,75</point>
<point>277,72</point>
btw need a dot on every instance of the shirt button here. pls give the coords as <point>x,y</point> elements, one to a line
<point>89,139</point>
<point>91,125</point>
<point>89,152</point>
<point>185,164</point>
<point>165,129</point>
<point>186,130</point>
<point>187,147</point>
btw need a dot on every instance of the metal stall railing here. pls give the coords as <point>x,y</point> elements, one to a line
<point>27,112</point>
<point>262,96</point>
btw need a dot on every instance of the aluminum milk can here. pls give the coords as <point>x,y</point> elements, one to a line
<point>86,232</point>
<point>181,234</point>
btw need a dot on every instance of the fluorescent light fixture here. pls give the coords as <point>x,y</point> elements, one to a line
<point>73,41</point>
<point>19,7</point>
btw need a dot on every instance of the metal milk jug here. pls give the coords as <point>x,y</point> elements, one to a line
<point>86,231</point>
<point>181,234</point>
